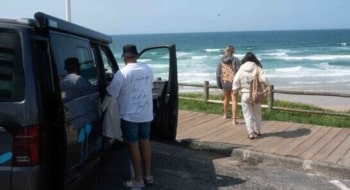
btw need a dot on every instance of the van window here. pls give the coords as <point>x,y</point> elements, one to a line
<point>158,60</point>
<point>11,67</point>
<point>87,66</point>
<point>110,66</point>
<point>73,56</point>
<point>70,47</point>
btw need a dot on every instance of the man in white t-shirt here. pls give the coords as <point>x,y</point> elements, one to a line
<point>132,86</point>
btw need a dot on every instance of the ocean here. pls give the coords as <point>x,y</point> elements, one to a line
<point>307,60</point>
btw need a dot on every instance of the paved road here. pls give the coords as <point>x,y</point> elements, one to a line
<point>176,167</point>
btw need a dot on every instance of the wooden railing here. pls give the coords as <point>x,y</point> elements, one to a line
<point>270,100</point>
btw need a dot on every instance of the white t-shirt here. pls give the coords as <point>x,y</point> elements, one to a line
<point>132,85</point>
<point>73,86</point>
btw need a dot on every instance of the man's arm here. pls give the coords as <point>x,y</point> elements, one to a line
<point>114,87</point>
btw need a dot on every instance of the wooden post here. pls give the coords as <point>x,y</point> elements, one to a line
<point>270,97</point>
<point>206,91</point>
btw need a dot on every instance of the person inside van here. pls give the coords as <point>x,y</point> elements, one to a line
<point>73,85</point>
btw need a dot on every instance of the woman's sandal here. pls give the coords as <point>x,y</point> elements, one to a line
<point>226,117</point>
<point>133,184</point>
<point>257,134</point>
<point>251,136</point>
<point>149,180</point>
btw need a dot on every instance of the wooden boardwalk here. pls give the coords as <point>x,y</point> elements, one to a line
<point>306,142</point>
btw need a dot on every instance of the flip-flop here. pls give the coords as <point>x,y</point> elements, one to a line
<point>257,134</point>
<point>133,184</point>
<point>226,117</point>
<point>251,136</point>
<point>149,180</point>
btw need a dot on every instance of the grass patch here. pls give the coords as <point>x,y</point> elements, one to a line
<point>276,115</point>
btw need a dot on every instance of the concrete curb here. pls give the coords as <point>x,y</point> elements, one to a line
<point>220,148</point>
<point>329,169</point>
<point>256,157</point>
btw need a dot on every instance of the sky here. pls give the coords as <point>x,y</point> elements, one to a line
<point>181,16</point>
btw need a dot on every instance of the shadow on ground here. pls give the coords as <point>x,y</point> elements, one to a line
<point>288,134</point>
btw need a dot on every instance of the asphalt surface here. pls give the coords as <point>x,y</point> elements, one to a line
<point>178,167</point>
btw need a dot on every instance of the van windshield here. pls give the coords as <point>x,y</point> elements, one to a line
<point>11,67</point>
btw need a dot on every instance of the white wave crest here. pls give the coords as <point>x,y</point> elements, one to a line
<point>199,57</point>
<point>300,71</point>
<point>182,54</point>
<point>213,50</point>
<point>276,53</point>
<point>144,60</point>
<point>159,66</point>
<point>289,69</point>
<point>315,57</point>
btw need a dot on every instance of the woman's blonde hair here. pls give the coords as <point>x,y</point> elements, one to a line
<point>229,50</point>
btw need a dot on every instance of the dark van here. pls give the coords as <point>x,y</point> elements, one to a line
<point>51,133</point>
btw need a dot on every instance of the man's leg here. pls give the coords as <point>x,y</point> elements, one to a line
<point>136,161</point>
<point>144,134</point>
<point>146,155</point>
<point>130,135</point>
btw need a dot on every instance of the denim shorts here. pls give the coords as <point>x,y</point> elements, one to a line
<point>133,132</point>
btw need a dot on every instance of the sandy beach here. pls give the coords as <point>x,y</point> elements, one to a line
<point>327,102</point>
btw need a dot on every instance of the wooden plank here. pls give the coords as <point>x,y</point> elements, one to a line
<point>185,118</point>
<point>216,138</point>
<point>308,142</point>
<point>236,131</point>
<point>306,130</point>
<point>210,127</point>
<point>185,114</point>
<point>345,160</point>
<point>199,128</point>
<point>196,122</point>
<point>225,128</point>
<point>269,139</point>
<point>296,131</point>
<point>281,138</point>
<point>319,144</point>
<point>267,127</point>
<point>331,145</point>
<point>340,151</point>
<point>267,130</point>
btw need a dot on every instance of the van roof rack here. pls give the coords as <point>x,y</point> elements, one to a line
<point>49,22</point>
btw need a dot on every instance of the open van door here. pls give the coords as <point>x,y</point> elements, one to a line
<point>163,61</point>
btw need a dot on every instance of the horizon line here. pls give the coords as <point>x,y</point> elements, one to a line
<point>276,30</point>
